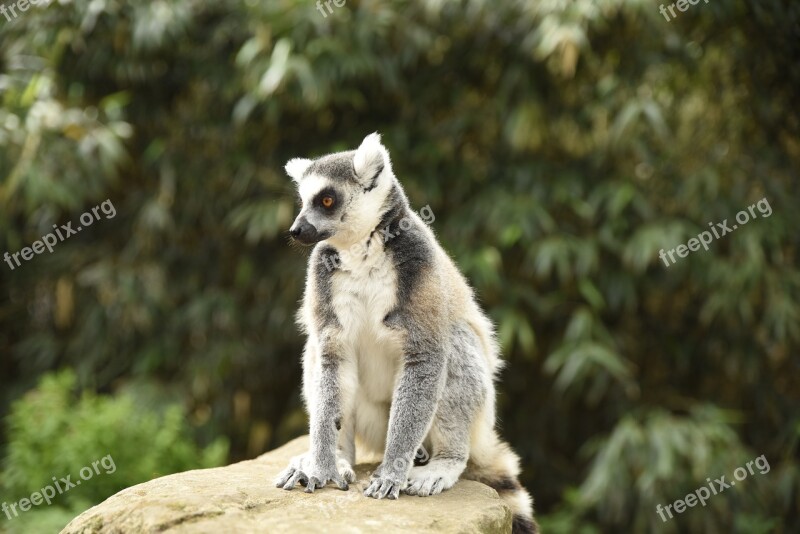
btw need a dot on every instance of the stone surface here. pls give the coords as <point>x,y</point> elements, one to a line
<point>241,498</point>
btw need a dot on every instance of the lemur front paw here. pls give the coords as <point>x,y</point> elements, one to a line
<point>313,476</point>
<point>384,483</point>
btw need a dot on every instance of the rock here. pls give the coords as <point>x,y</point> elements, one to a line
<point>241,498</point>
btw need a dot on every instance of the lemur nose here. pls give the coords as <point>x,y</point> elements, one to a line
<point>303,231</point>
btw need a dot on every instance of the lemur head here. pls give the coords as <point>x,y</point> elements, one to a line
<point>342,194</point>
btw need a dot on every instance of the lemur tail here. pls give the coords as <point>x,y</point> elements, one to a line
<point>496,465</point>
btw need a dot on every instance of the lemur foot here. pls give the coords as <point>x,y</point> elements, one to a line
<point>383,487</point>
<point>384,483</point>
<point>430,480</point>
<point>301,469</point>
<point>346,470</point>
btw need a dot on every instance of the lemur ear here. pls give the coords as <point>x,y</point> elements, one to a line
<point>370,160</point>
<point>297,167</point>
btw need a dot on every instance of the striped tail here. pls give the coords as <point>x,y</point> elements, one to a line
<point>496,465</point>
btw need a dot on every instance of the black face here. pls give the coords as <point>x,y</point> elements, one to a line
<point>317,222</point>
<point>304,232</point>
<point>326,202</point>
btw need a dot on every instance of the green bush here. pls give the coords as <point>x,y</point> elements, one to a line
<point>55,431</point>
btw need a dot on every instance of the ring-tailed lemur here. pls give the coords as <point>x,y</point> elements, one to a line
<point>399,355</point>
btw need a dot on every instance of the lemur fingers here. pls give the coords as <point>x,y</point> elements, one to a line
<point>316,482</point>
<point>294,478</point>
<point>341,482</point>
<point>303,471</point>
<point>289,478</point>
<point>381,487</point>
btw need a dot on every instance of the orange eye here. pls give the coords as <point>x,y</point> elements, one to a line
<point>327,201</point>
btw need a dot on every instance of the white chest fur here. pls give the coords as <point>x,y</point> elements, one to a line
<point>364,291</point>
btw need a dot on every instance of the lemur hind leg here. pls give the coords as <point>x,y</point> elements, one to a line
<point>449,435</point>
<point>450,444</point>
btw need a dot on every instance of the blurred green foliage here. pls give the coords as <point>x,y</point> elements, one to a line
<point>56,432</point>
<point>561,145</point>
